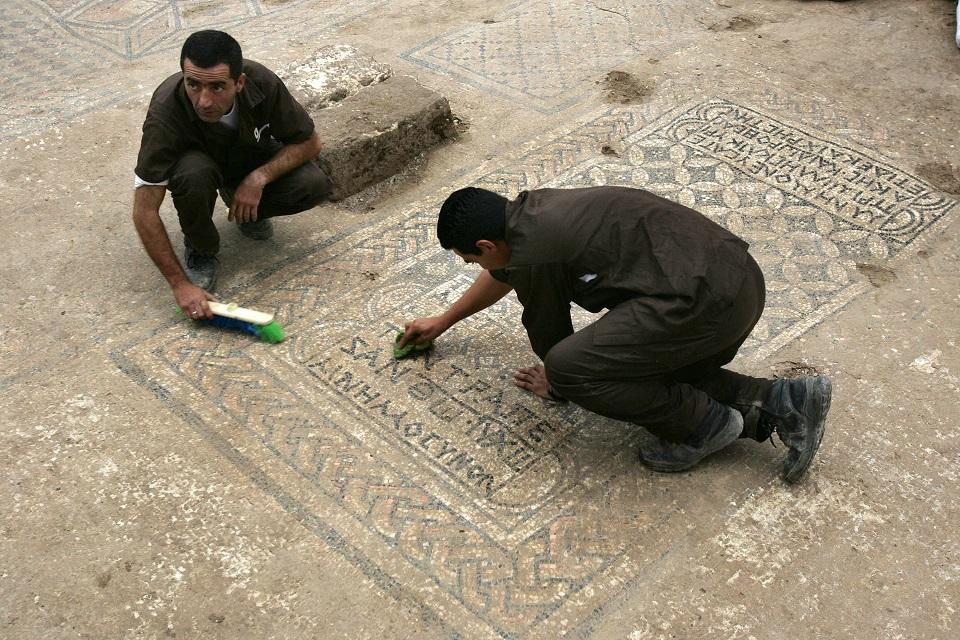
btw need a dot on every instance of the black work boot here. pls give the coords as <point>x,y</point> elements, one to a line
<point>201,269</point>
<point>797,409</point>
<point>670,457</point>
<point>257,229</point>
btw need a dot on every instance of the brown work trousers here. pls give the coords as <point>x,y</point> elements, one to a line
<point>197,178</point>
<point>665,387</point>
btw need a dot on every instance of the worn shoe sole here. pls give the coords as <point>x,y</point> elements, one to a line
<point>727,436</point>
<point>819,392</point>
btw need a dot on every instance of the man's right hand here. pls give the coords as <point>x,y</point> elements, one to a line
<point>484,291</point>
<point>424,329</point>
<point>193,300</point>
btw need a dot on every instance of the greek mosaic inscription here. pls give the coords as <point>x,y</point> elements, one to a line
<point>466,425</point>
<point>865,192</point>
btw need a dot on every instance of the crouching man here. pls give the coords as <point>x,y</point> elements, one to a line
<point>223,124</point>
<point>682,295</point>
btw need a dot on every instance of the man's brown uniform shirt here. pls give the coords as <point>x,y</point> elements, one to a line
<point>600,247</point>
<point>269,118</point>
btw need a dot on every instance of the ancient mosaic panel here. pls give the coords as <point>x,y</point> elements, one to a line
<point>64,58</point>
<point>504,515</point>
<point>546,54</point>
<point>134,28</point>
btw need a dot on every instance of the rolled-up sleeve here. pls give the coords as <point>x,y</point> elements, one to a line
<point>160,150</point>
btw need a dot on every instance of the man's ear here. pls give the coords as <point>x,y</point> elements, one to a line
<point>241,80</point>
<point>486,245</point>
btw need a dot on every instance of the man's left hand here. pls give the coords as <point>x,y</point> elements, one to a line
<point>246,199</point>
<point>534,380</point>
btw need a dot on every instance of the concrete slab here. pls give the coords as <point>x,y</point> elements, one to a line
<point>372,125</point>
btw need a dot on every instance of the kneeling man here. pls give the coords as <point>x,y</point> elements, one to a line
<point>682,295</point>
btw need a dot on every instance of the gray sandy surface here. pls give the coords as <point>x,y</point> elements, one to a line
<point>161,480</point>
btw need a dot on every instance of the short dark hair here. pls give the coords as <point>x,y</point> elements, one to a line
<point>469,215</point>
<point>208,48</point>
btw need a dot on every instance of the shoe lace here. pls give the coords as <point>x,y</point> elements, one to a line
<point>198,261</point>
<point>765,428</point>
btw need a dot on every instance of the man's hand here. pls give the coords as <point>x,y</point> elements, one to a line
<point>534,380</point>
<point>193,300</point>
<point>424,329</point>
<point>246,198</point>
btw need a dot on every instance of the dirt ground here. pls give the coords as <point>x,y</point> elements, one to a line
<point>162,480</point>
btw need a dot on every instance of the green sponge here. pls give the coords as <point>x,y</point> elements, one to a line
<point>409,349</point>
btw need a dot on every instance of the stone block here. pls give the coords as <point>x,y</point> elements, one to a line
<point>372,123</point>
<point>376,132</point>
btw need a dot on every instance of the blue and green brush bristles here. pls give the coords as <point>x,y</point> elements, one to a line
<point>271,332</point>
<point>256,323</point>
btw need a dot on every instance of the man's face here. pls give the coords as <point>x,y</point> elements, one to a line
<point>492,256</point>
<point>211,90</point>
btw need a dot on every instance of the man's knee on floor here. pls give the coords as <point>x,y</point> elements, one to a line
<point>563,368</point>
<point>609,396</point>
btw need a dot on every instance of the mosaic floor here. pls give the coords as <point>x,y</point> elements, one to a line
<point>544,53</point>
<point>442,476</point>
<point>80,54</point>
<point>135,28</point>
<point>498,514</point>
